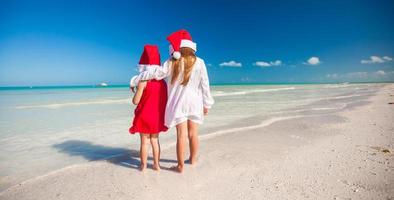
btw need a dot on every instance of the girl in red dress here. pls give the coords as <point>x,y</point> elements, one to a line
<point>151,99</point>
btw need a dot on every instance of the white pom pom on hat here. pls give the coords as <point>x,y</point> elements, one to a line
<point>176,54</point>
<point>179,39</point>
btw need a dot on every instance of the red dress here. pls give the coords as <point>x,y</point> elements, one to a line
<point>149,113</point>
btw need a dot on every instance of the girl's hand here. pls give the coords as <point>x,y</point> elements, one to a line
<point>205,111</point>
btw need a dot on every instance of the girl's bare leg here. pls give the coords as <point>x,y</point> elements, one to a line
<point>144,150</point>
<point>154,140</point>
<point>181,130</point>
<point>193,141</point>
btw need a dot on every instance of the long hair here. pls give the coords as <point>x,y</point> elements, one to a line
<point>188,58</point>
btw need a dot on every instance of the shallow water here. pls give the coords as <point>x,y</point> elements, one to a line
<point>42,130</point>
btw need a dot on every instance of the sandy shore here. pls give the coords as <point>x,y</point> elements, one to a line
<point>332,155</point>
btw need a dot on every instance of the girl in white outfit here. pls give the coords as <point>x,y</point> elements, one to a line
<point>189,96</point>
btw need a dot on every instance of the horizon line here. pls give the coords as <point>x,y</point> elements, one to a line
<point>213,84</point>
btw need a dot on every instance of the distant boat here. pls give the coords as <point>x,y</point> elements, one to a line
<point>102,85</point>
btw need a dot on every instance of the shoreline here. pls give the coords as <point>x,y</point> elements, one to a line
<point>213,157</point>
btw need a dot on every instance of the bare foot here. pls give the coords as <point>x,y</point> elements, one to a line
<point>142,168</point>
<point>156,167</point>
<point>193,161</point>
<point>177,168</point>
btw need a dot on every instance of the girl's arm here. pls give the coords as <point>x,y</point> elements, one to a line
<point>157,73</point>
<point>140,89</point>
<point>206,92</point>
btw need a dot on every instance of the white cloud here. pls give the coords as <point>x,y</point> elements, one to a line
<point>376,59</point>
<point>373,59</point>
<point>313,61</point>
<point>268,64</point>
<point>209,64</point>
<point>262,64</point>
<point>380,73</point>
<point>245,79</point>
<point>332,76</point>
<point>231,64</point>
<point>357,74</point>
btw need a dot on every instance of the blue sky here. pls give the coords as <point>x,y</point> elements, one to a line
<point>87,42</point>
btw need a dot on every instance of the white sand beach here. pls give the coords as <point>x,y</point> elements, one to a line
<point>346,154</point>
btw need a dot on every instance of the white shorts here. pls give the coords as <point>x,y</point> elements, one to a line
<point>193,118</point>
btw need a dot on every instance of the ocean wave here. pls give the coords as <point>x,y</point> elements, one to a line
<point>261,125</point>
<point>128,101</point>
<point>345,96</point>
<point>238,129</point>
<point>222,94</point>
<point>312,109</point>
<point>335,97</point>
<point>338,85</point>
<point>81,103</point>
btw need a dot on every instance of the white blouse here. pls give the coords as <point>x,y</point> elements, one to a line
<point>184,102</point>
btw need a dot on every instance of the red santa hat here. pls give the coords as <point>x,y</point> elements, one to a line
<point>179,39</point>
<point>149,58</point>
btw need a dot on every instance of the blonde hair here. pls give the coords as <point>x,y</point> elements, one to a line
<point>189,58</point>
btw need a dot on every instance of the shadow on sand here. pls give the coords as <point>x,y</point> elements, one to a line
<point>93,152</point>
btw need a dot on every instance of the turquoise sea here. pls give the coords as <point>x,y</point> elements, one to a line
<point>43,129</point>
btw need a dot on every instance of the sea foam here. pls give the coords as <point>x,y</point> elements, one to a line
<point>80,103</point>
<point>221,94</point>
